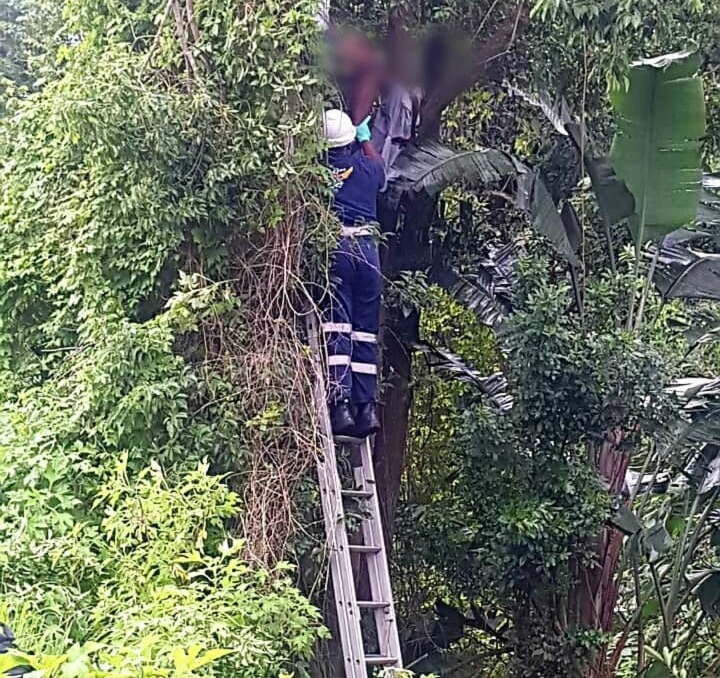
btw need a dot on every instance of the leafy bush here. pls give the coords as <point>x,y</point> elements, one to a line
<point>131,182</point>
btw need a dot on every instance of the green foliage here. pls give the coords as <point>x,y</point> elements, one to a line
<point>29,32</point>
<point>104,540</point>
<point>131,179</point>
<point>79,192</point>
<point>169,581</point>
<point>482,492</point>
<point>511,497</point>
<point>661,119</point>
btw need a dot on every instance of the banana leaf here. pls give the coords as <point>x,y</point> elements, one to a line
<point>615,201</point>
<point>700,398</point>
<point>534,198</point>
<point>478,295</point>
<point>656,151</point>
<point>488,291</point>
<point>556,111</point>
<point>705,584</point>
<point>688,274</point>
<point>703,471</point>
<point>426,168</point>
<point>493,386</point>
<point>704,329</point>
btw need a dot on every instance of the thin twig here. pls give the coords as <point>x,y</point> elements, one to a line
<point>646,290</point>
<point>182,37</point>
<point>158,35</point>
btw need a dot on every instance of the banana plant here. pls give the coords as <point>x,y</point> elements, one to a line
<point>425,169</point>
<point>660,123</point>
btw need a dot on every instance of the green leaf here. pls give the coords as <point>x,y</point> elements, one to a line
<point>656,152</point>
<point>651,609</point>
<point>658,669</point>
<point>427,168</point>
<point>180,660</point>
<point>13,660</point>
<point>209,657</point>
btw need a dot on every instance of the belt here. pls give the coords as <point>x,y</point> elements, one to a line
<point>355,231</point>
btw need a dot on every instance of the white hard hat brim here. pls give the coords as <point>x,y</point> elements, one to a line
<point>343,140</point>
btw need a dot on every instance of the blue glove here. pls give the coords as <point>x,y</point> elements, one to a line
<point>362,131</point>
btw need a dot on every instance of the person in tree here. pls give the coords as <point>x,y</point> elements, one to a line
<point>352,312</point>
<point>358,70</point>
<point>356,65</point>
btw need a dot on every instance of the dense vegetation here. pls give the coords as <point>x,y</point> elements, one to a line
<point>133,178</point>
<point>163,229</point>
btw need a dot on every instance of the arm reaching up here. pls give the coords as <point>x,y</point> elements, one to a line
<point>363,136</point>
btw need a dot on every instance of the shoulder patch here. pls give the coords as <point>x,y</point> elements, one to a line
<point>340,175</point>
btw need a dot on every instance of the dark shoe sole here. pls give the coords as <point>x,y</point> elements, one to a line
<point>366,433</point>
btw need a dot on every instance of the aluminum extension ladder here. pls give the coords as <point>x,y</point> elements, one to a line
<point>357,660</point>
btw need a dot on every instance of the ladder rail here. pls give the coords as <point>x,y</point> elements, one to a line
<point>378,570</point>
<point>348,612</point>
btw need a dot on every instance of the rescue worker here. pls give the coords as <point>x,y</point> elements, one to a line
<point>352,314</point>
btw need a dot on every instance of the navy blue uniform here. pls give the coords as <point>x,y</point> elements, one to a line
<point>352,314</point>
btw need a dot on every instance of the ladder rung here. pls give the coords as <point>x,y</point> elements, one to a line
<point>357,494</point>
<point>373,604</point>
<point>380,660</point>
<point>356,548</point>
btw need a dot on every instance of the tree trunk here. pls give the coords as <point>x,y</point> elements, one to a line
<point>391,442</point>
<point>595,595</point>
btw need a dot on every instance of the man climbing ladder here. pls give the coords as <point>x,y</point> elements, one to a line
<point>352,311</point>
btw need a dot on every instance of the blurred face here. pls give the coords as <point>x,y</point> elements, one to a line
<point>353,54</point>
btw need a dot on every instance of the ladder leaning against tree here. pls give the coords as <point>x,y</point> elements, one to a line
<point>380,628</point>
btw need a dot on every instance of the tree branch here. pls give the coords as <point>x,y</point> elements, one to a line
<point>401,46</point>
<point>458,80</point>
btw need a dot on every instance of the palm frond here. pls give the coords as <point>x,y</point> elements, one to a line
<point>493,386</point>
<point>488,292</point>
<point>428,167</point>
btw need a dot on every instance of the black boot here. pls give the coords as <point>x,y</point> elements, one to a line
<point>341,419</point>
<point>367,421</point>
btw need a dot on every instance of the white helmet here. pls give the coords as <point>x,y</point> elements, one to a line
<point>339,130</point>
